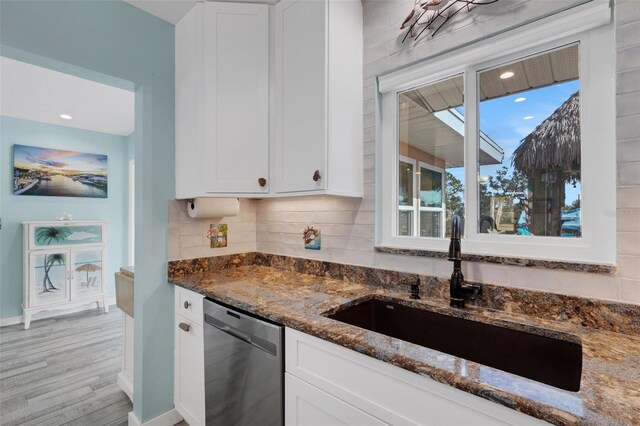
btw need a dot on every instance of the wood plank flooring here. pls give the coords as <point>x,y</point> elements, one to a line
<point>62,371</point>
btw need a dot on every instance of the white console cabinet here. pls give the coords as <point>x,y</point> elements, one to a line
<point>188,393</point>
<point>329,384</point>
<point>64,266</point>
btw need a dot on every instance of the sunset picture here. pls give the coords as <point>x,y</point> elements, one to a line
<point>58,173</point>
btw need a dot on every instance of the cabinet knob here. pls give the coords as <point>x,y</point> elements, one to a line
<point>187,305</point>
<point>262,182</point>
<point>184,327</point>
<point>316,176</point>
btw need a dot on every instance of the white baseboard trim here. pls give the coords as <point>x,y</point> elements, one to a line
<point>169,418</point>
<point>50,314</point>
<point>125,384</point>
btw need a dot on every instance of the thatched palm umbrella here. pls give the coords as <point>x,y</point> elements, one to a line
<point>555,143</point>
<point>88,267</point>
<point>549,156</point>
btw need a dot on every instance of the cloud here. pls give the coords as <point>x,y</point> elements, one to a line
<point>48,163</point>
<point>79,236</point>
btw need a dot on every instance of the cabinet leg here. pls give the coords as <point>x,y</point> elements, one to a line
<point>27,320</point>
<point>105,305</point>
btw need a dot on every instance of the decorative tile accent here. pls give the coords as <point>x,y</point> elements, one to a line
<point>514,261</point>
<point>217,235</point>
<point>311,237</point>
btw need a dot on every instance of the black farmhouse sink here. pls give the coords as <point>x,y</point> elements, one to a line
<point>544,359</point>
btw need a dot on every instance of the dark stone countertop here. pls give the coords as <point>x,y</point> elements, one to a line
<point>610,389</point>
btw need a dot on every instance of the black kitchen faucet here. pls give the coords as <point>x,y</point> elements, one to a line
<point>459,291</point>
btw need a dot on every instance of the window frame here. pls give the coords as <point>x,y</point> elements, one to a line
<point>592,28</point>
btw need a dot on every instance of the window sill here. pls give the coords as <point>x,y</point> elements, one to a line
<point>512,261</point>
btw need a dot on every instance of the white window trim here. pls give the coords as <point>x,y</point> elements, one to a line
<point>413,206</point>
<point>441,210</point>
<point>586,24</point>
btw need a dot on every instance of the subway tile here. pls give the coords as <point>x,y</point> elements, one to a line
<point>364,218</point>
<point>409,264</point>
<point>628,267</point>
<point>630,291</point>
<point>628,197</point>
<point>628,81</point>
<point>628,103</point>
<point>629,34</point>
<point>628,58</point>
<point>629,150</point>
<point>487,273</point>
<point>628,127</point>
<point>375,53</point>
<point>191,240</point>
<point>353,257</point>
<point>628,220</point>
<point>626,12</point>
<point>369,148</point>
<point>333,217</point>
<point>628,243</point>
<point>628,173</point>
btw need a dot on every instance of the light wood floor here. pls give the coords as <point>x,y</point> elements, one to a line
<point>62,371</point>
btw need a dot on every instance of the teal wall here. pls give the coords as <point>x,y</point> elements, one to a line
<point>94,39</point>
<point>19,208</point>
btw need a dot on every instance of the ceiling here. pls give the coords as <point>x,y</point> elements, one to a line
<point>40,94</point>
<point>173,10</point>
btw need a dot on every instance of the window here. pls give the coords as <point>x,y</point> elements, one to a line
<point>514,135</point>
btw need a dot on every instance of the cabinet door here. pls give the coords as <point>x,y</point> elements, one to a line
<point>301,95</point>
<point>307,405</point>
<point>86,273</point>
<point>236,56</point>
<point>189,371</point>
<point>189,98</point>
<point>48,277</point>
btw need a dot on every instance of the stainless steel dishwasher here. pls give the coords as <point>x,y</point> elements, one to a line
<point>244,362</point>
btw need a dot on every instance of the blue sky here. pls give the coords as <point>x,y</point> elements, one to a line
<point>502,120</point>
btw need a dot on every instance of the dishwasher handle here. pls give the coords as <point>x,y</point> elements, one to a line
<point>252,340</point>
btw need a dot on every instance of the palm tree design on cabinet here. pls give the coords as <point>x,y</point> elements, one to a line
<point>49,235</point>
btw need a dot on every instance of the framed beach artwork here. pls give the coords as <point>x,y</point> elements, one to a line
<point>58,173</point>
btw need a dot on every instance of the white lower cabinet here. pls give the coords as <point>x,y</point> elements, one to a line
<point>329,384</point>
<point>305,404</point>
<point>189,359</point>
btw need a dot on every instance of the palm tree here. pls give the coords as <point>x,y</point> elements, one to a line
<point>49,235</point>
<point>50,261</point>
<point>52,234</point>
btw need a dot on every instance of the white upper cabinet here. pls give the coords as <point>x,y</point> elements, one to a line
<point>269,99</point>
<point>222,100</point>
<point>317,145</point>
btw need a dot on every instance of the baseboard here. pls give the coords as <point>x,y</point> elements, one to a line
<point>50,314</point>
<point>169,418</point>
<point>125,384</point>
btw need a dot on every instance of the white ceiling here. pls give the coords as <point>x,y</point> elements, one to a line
<point>40,94</point>
<point>173,10</point>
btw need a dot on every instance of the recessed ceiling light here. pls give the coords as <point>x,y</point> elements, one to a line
<point>66,116</point>
<point>519,99</point>
<point>507,74</point>
<point>527,117</point>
